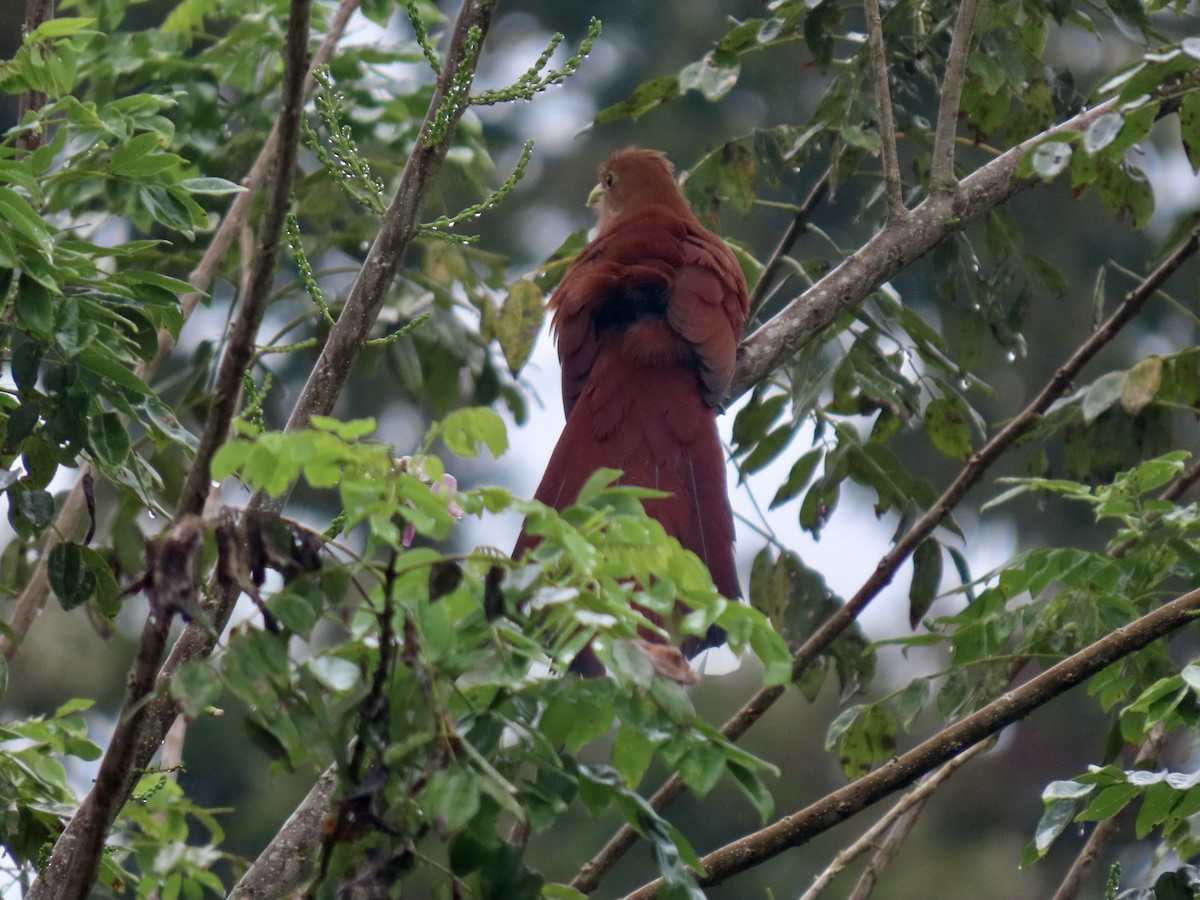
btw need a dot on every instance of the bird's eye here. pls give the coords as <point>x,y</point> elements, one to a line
<point>610,179</point>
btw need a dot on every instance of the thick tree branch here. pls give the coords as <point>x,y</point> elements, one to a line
<point>594,869</point>
<point>840,805</point>
<point>288,859</point>
<point>883,109</point>
<point>75,859</point>
<point>69,522</point>
<point>941,170</point>
<point>896,246</point>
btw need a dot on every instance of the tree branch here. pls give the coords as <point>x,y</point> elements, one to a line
<point>840,805</point>
<point>400,223</point>
<point>941,172</point>
<point>67,525</point>
<point>883,108</point>
<point>75,859</point>
<point>288,859</point>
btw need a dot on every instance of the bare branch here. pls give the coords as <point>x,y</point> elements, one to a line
<point>288,859</point>
<point>941,171</point>
<point>883,109</point>
<point>836,807</point>
<point>171,584</point>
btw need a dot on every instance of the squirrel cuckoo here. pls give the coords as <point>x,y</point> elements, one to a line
<point>647,320</point>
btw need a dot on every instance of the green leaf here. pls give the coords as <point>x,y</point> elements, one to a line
<point>1189,127</point>
<point>727,175</point>
<point>1102,132</point>
<point>647,96</point>
<point>71,581</point>
<point>109,439</point>
<point>1055,818</point>
<point>1049,158</point>
<point>798,477</point>
<point>712,79</point>
<point>108,591</point>
<point>1103,393</point>
<point>166,209</point>
<point>947,424</point>
<point>1142,383</point>
<point>37,507</point>
<point>465,429</point>
<point>209,185</point>
<point>1110,801</point>
<point>912,701</point>
<point>519,322</point>
<point>61,27</point>
<point>927,578</point>
<point>451,797</point>
<point>701,768</point>
<point>196,685</point>
<point>35,307</point>
<point>631,754</point>
<point>16,212</point>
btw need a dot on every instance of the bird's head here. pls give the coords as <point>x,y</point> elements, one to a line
<point>633,180</point>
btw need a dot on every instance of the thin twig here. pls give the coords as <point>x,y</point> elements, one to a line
<point>883,109</point>
<point>68,524</point>
<point>593,870</point>
<point>910,803</point>
<point>796,227</point>
<point>836,807</point>
<point>941,171</point>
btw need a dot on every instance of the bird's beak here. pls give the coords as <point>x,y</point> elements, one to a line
<point>595,195</point>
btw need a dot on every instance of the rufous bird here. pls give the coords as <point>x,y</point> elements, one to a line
<point>647,320</point>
